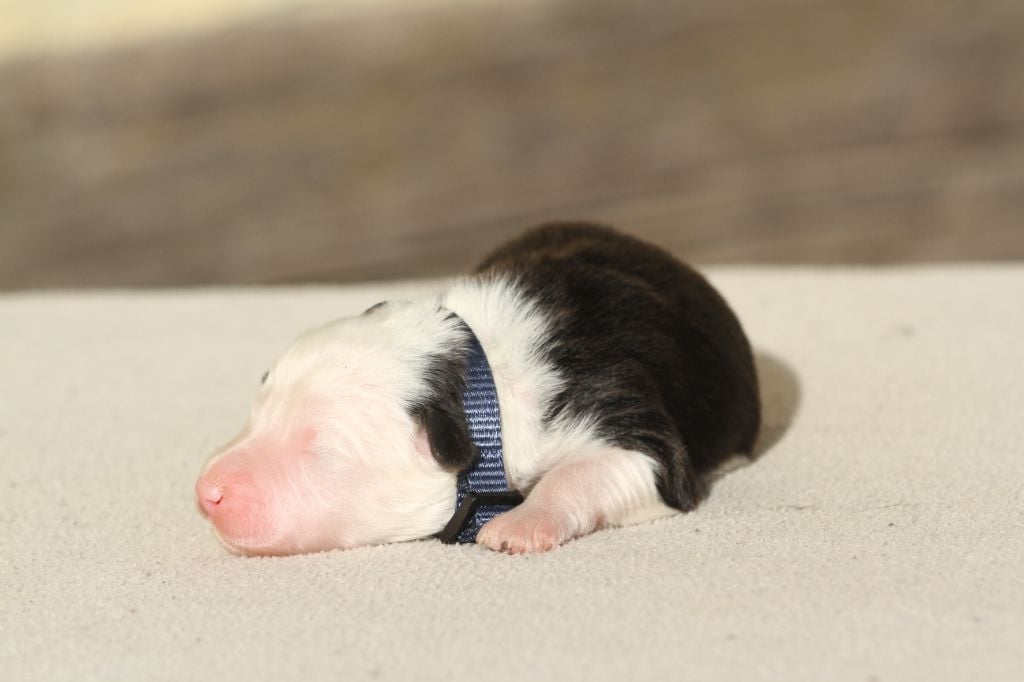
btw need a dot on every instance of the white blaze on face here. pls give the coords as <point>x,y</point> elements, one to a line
<point>331,457</point>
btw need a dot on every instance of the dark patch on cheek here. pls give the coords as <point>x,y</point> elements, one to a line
<point>263,379</point>
<point>441,412</point>
<point>448,435</point>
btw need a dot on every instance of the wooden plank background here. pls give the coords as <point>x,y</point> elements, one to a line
<point>403,141</point>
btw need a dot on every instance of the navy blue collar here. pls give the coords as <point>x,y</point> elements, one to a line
<point>482,491</point>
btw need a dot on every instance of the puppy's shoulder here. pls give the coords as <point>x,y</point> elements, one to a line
<point>556,241</point>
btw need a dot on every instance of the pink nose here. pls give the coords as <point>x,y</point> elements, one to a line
<point>209,495</point>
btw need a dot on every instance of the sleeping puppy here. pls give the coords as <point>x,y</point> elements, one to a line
<point>622,379</point>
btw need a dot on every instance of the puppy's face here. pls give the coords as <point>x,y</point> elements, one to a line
<point>331,457</point>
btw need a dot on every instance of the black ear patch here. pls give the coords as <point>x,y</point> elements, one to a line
<point>448,435</point>
<point>440,411</point>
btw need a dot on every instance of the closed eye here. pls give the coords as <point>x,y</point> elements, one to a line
<point>263,379</point>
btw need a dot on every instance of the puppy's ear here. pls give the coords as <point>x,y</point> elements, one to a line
<point>440,411</point>
<point>448,435</point>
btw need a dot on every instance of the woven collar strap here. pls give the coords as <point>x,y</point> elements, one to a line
<point>482,492</point>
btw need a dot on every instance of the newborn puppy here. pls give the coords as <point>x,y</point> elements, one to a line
<point>622,379</point>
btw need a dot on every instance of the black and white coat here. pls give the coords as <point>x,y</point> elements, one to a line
<point>623,379</point>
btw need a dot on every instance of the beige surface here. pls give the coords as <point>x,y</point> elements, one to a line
<point>878,539</point>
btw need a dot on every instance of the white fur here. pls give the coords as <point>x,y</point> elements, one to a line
<point>513,333</point>
<point>370,478</point>
<point>606,486</point>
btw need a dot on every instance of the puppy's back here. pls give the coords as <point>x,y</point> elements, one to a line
<point>649,350</point>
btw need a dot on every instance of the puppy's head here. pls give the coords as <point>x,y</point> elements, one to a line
<point>353,438</point>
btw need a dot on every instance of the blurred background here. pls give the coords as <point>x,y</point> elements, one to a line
<point>281,141</point>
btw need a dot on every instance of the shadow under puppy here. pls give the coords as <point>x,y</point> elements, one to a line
<point>622,379</point>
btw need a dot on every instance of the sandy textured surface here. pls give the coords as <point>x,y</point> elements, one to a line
<point>878,537</point>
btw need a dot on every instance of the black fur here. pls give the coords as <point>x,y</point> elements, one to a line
<point>440,412</point>
<point>647,347</point>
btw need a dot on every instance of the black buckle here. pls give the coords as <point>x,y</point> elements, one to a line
<point>470,503</point>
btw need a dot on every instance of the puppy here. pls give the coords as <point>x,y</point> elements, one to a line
<point>622,378</point>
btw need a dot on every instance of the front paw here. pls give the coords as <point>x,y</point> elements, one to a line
<point>525,530</point>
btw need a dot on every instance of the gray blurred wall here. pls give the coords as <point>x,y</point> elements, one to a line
<point>402,140</point>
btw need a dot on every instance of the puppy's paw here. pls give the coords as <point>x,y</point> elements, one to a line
<point>525,530</point>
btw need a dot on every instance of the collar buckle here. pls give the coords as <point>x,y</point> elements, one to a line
<point>468,508</point>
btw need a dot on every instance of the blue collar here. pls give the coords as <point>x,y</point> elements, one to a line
<point>482,492</point>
